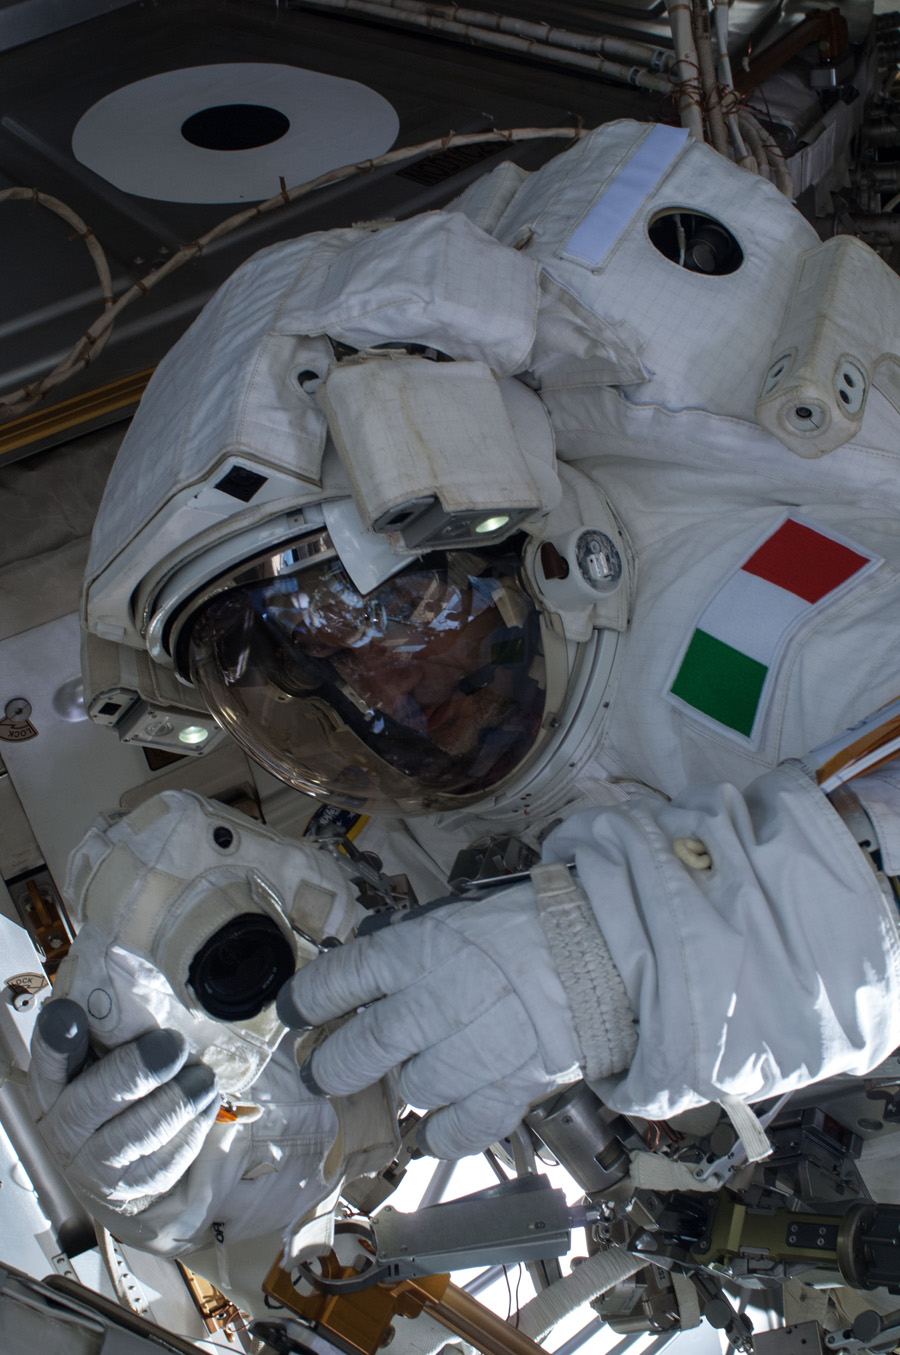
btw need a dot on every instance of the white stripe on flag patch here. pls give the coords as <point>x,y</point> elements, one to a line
<point>752,615</point>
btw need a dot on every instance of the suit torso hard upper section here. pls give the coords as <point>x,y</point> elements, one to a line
<point>767,585</point>
<point>767,599</point>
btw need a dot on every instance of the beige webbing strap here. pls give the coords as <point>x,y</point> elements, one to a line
<point>604,1021</point>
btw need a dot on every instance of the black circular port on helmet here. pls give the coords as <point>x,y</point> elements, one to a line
<point>240,969</point>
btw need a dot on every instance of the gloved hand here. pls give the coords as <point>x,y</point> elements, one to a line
<point>125,1129</point>
<point>467,1005</point>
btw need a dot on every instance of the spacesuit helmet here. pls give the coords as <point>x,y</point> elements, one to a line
<point>397,637</point>
<point>375,645</point>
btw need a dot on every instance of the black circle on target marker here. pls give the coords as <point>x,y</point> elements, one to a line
<point>234,127</point>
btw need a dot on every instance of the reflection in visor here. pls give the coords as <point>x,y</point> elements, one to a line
<point>430,686</point>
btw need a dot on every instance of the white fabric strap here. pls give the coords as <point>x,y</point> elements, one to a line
<point>222,1257</point>
<point>686,1296</point>
<point>604,1021</point>
<point>652,1171</point>
<point>594,1276</point>
<point>746,1125</point>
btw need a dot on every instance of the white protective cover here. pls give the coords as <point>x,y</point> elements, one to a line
<point>405,427</point>
<point>133,887</point>
<point>229,387</point>
<point>705,341</point>
<point>840,336</point>
<point>149,890</point>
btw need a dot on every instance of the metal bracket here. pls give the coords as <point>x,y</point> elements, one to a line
<point>520,1220</point>
<point>721,1169</point>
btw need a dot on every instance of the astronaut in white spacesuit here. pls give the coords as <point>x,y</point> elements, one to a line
<point>471,516</point>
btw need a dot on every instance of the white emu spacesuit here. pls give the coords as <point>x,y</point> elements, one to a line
<point>471,516</point>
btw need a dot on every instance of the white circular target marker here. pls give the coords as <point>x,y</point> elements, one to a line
<point>230,132</point>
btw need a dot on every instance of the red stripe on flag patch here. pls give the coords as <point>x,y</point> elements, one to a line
<point>804,562</point>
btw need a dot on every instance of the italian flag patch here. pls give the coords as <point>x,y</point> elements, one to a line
<point>740,635</point>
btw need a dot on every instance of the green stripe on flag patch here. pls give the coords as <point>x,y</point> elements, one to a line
<point>721,682</point>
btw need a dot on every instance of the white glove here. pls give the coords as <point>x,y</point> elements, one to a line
<point>473,1014</point>
<point>126,1129</point>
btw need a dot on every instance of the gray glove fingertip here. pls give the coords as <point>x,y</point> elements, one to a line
<point>162,1052</point>
<point>345,978</point>
<point>308,1078</point>
<point>63,1027</point>
<point>423,1142</point>
<point>468,1126</point>
<point>287,1011</point>
<point>198,1083</point>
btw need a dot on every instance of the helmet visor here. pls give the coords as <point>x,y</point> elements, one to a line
<point>427,689</point>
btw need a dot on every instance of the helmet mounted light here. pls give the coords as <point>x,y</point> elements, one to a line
<point>430,450</point>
